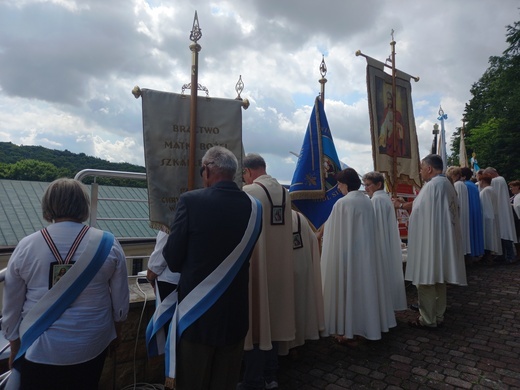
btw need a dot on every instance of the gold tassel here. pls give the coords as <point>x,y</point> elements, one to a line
<point>170,383</point>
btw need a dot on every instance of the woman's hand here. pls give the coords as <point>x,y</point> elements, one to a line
<point>15,347</point>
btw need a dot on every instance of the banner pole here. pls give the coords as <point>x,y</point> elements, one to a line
<point>195,48</point>
<point>323,80</point>
<point>394,122</point>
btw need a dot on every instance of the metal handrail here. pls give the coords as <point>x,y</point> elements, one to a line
<point>94,198</point>
<point>114,174</point>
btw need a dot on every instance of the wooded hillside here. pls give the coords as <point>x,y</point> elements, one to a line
<point>37,163</point>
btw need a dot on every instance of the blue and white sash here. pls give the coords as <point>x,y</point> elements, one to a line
<point>203,296</point>
<point>155,332</point>
<point>55,301</point>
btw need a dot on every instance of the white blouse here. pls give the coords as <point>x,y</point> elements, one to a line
<point>87,327</point>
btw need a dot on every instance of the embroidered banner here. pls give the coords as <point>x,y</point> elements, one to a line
<point>166,132</point>
<point>381,112</point>
<point>314,188</point>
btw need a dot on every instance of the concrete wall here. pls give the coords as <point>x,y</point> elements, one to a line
<point>129,363</point>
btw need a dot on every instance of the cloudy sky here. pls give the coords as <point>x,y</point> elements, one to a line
<point>67,67</point>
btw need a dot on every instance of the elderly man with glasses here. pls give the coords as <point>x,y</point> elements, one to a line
<point>212,237</point>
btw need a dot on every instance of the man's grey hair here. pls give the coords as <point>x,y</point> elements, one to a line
<point>253,161</point>
<point>375,177</point>
<point>434,161</point>
<point>222,160</point>
<point>66,198</point>
<point>491,171</point>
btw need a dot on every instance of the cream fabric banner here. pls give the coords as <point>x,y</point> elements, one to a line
<point>166,131</point>
<point>406,146</point>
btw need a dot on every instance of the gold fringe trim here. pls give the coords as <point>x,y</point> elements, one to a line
<point>312,194</point>
<point>169,383</point>
<point>159,226</point>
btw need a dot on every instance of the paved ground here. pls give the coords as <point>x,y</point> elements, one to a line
<point>478,347</point>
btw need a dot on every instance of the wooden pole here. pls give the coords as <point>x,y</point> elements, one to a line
<point>323,80</point>
<point>394,121</point>
<point>195,48</point>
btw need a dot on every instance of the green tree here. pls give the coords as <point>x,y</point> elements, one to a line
<point>493,113</point>
<point>32,170</point>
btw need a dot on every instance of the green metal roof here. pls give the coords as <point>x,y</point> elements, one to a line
<point>20,211</point>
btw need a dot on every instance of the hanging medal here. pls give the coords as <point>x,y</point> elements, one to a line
<point>277,212</point>
<point>297,235</point>
<point>60,267</point>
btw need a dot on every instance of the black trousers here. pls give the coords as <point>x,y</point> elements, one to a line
<point>83,376</point>
<point>203,367</point>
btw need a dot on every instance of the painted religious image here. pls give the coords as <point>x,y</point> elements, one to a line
<point>331,169</point>
<point>385,118</point>
<point>57,271</point>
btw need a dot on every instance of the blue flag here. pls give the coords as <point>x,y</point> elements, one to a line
<point>314,188</point>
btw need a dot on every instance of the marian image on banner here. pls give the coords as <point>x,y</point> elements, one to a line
<point>401,148</point>
<point>385,119</point>
<point>314,188</point>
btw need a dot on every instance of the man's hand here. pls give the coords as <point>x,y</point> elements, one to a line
<point>151,276</point>
<point>398,202</point>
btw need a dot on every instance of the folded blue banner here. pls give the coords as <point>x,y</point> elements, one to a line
<point>314,189</point>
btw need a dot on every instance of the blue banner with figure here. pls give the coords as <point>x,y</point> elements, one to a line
<point>314,188</point>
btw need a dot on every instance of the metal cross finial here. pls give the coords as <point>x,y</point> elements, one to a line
<point>323,67</point>
<point>196,32</point>
<point>239,87</point>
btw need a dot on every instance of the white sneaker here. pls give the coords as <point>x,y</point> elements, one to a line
<point>271,385</point>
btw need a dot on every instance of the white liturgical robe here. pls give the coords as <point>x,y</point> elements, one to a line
<point>351,269</point>
<point>516,205</point>
<point>387,235</point>
<point>434,239</point>
<point>506,221</point>
<point>488,201</point>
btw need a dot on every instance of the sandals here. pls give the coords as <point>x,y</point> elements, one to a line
<point>417,325</point>
<point>352,343</point>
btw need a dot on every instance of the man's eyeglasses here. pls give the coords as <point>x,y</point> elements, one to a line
<point>204,167</point>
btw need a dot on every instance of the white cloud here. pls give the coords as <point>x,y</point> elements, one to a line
<point>68,67</point>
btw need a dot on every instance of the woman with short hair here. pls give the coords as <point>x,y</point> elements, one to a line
<point>76,276</point>
<point>387,235</point>
<point>356,306</point>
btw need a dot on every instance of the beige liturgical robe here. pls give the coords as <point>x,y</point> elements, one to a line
<point>271,271</point>
<point>307,285</point>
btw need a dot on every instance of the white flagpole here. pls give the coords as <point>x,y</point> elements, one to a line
<point>442,139</point>
<point>463,157</point>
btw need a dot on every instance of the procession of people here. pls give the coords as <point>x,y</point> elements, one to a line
<point>251,279</point>
<point>352,290</point>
